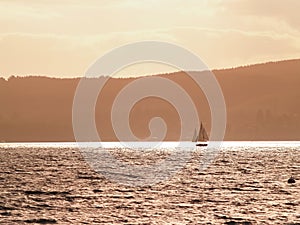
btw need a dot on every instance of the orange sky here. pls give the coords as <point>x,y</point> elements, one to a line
<point>62,38</point>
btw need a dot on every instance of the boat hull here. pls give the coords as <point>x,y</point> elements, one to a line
<point>201,144</point>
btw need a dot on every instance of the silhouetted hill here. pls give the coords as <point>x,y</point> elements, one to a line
<point>262,104</point>
<point>262,101</point>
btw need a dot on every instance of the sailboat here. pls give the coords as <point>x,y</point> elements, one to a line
<point>201,137</point>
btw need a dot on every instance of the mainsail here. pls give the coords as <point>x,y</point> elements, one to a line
<point>201,136</point>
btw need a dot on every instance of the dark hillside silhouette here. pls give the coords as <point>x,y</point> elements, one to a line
<point>262,104</point>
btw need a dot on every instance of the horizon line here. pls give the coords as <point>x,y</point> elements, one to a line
<point>156,74</point>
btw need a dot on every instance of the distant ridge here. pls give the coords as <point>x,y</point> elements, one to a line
<point>286,61</point>
<point>261,99</point>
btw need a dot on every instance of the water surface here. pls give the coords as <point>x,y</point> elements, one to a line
<point>51,183</point>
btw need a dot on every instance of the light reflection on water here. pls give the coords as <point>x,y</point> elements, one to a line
<point>142,145</point>
<point>51,183</point>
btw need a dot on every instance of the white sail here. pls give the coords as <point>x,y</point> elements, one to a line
<point>195,137</point>
<point>202,134</point>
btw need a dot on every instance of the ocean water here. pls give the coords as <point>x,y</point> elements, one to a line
<point>224,144</point>
<point>245,183</point>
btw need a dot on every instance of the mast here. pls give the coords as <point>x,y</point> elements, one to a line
<point>202,134</point>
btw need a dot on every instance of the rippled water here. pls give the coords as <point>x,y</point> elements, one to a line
<point>51,183</point>
<point>225,144</point>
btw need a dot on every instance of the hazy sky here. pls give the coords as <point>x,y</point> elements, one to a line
<point>63,37</point>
